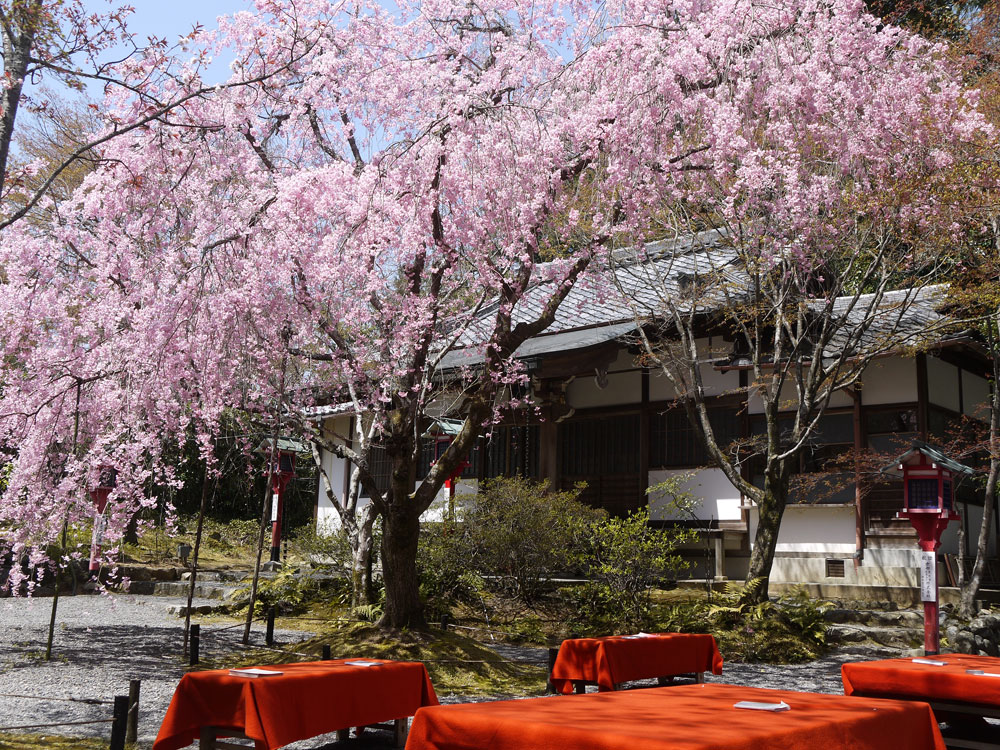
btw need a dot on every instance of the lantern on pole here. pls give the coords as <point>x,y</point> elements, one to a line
<point>107,479</point>
<point>928,503</point>
<point>444,431</point>
<point>281,474</point>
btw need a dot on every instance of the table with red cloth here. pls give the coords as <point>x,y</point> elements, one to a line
<point>612,660</point>
<point>686,717</point>
<point>949,688</point>
<point>307,699</point>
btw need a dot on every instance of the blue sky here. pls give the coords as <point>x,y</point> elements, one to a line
<point>170,19</point>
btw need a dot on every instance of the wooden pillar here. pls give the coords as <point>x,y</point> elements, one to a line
<point>548,435</point>
<point>644,438</point>
<point>859,492</point>
<point>922,396</point>
<point>720,555</point>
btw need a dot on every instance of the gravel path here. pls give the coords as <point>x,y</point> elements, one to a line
<point>101,643</point>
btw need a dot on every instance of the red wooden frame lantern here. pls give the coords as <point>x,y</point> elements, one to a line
<point>281,474</point>
<point>107,480</point>
<point>929,504</point>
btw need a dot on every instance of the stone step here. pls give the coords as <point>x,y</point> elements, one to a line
<point>906,618</point>
<point>219,576</point>
<point>902,638</point>
<point>206,590</point>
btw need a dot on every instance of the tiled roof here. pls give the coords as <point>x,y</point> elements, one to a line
<point>597,309</point>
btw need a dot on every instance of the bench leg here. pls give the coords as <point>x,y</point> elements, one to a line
<point>343,735</point>
<point>401,729</point>
<point>699,677</point>
<point>206,738</point>
<point>579,686</point>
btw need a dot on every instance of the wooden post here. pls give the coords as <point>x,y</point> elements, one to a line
<point>553,653</point>
<point>445,621</point>
<point>401,729</point>
<point>120,717</point>
<point>195,644</point>
<point>579,686</point>
<point>326,652</point>
<point>132,725</point>
<point>269,636</point>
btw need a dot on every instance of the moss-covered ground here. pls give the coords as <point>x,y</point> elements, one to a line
<point>457,664</point>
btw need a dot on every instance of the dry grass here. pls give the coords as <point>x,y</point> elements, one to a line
<point>50,742</point>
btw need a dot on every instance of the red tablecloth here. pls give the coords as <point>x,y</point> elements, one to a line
<point>686,717</point>
<point>609,661</point>
<point>906,678</point>
<point>306,700</point>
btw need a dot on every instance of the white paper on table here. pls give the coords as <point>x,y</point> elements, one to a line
<point>981,673</point>
<point>254,672</point>
<point>930,661</point>
<point>640,635</point>
<point>362,663</point>
<point>761,706</point>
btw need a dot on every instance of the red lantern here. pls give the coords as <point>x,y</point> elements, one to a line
<point>106,481</point>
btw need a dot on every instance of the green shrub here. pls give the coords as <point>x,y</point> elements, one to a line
<point>331,550</point>
<point>446,578</point>
<point>520,535</point>
<point>291,592</point>
<point>625,559</point>
<point>793,629</point>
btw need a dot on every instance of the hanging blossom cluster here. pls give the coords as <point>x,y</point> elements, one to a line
<point>374,185</point>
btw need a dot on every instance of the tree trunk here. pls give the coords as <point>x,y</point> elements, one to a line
<point>970,590</point>
<point>17,55</point>
<point>362,545</point>
<point>400,536</point>
<point>770,508</point>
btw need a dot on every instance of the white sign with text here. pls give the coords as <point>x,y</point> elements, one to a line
<point>928,576</point>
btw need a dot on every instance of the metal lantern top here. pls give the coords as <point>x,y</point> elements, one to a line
<point>286,452</point>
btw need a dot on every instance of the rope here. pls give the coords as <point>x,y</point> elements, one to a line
<point>91,701</point>
<point>60,724</point>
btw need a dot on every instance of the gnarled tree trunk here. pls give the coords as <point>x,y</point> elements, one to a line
<point>770,508</point>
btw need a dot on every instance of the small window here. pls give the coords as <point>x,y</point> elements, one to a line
<point>923,493</point>
<point>834,568</point>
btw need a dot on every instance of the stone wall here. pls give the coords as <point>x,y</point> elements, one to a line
<point>980,635</point>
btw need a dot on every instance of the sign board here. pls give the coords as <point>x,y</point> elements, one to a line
<point>274,506</point>
<point>928,576</point>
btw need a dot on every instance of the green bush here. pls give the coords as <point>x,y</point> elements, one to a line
<point>331,550</point>
<point>291,592</point>
<point>625,559</point>
<point>446,578</point>
<point>792,629</point>
<point>519,534</point>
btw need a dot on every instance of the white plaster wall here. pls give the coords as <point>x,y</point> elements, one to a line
<point>812,528</point>
<point>624,361</point>
<point>622,388</point>
<point>717,498</point>
<point>972,517</point>
<point>942,384</point>
<point>465,494</point>
<point>660,388</point>
<point>327,518</point>
<point>716,383</point>
<point>975,395</point>
<point>890,380</point>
